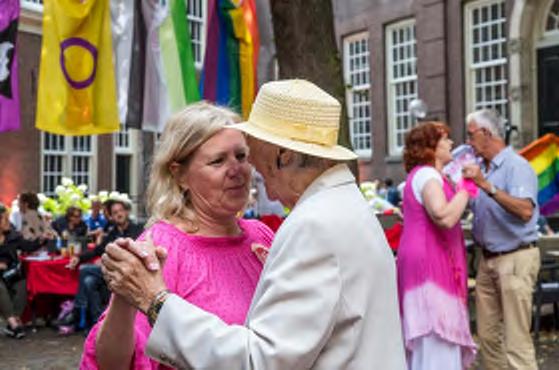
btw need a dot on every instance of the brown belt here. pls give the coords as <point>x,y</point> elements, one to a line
<point>488,254</point>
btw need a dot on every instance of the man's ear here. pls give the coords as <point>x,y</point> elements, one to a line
<point>284,158</point>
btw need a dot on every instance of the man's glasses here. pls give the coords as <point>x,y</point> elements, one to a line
<point>470,134</point>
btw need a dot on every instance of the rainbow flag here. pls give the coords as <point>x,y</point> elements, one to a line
<point>229,76</point>
<point>543,155</point>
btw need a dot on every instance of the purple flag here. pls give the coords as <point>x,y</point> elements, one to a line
<point>9,88</point>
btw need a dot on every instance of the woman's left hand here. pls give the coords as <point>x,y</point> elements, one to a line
<point>473,172</point>
<point>127,276</point>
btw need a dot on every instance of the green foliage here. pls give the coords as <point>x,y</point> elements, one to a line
<point>377,203</point>
<point>69,194</point>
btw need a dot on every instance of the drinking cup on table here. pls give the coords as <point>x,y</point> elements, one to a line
<point>77,249</point>
<point>64,252</point>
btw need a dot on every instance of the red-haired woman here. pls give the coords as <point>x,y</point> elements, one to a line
<point>431,262</point>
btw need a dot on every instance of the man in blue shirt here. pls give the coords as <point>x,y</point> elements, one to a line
<point>505,226</point>
<point>95,220</point>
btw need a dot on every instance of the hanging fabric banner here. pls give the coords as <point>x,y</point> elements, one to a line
<point>156,106</point>
<point>543,155</point>
<point>77,92</point>
<point>169,63</point>
<point>134,110</point>
<point>246,31</point>
<point>176,53</point>
<point>122,21</point>
<point>9,86</point>
<point>230,64</point>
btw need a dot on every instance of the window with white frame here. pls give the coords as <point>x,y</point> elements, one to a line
<point>123,160</point>
<point>486,56</point>
<point>36,5</point>
<point>122,140</point>
<point>358,84</point>
<point>552,23</point>
<point>196,15</point>
<point>66,156</point>
<point>401,81</point>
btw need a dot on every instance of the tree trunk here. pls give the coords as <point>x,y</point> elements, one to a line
<point>306,48</point>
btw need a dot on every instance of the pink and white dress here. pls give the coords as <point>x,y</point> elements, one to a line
<point>217,274</point>
<point>432,283</point>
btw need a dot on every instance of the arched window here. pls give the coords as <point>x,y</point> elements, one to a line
<point>552,23</point>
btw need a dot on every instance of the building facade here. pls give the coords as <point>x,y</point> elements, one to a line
<point>36,161</point>
<point>455,55</point>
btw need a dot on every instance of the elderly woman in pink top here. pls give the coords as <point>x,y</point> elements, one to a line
<point>198,185</point>
<point>432,274</point>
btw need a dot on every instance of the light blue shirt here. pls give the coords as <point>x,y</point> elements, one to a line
<point>494,228</point>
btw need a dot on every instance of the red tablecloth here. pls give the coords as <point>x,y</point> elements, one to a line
<point>393,235</point>
<point>272,221</point>
<point>50,277</point>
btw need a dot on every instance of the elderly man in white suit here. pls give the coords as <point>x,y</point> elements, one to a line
<point>327,296</point>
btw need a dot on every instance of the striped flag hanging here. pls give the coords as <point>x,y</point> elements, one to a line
<point>170,72</point>
<point>230,64</point>
<point>178,62</point>
<point>9,87</point>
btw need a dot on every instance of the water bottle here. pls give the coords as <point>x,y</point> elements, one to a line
<point>58,243</point>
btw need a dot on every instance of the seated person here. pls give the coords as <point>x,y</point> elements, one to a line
<point>32,224</point>
<point>392,193</point>
<point>70,225</point>
<point>96,221</point>
<point>92,289</point>
<point>12,282</point>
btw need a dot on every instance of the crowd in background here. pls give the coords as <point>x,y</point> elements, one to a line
<point>81,238</point>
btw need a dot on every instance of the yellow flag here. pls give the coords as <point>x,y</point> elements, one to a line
<point>77,89</point>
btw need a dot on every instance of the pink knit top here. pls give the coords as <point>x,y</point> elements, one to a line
<point>217,274</point>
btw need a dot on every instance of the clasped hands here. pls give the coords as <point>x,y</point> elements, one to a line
<point>133,270</point>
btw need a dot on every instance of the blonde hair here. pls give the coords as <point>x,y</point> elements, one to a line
<point>184,132</point>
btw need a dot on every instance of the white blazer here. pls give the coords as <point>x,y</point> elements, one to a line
<point>326,299</point>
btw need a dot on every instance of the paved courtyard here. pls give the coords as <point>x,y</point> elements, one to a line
<point>46,350</point>
<point>43,349</point>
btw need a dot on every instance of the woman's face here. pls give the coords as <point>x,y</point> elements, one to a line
<point>218,175</point>
<point>442,152</point>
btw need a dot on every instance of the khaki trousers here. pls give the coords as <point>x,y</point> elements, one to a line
<point>504,288</point>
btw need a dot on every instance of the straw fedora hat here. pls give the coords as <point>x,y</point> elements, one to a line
<point>297,115</point>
